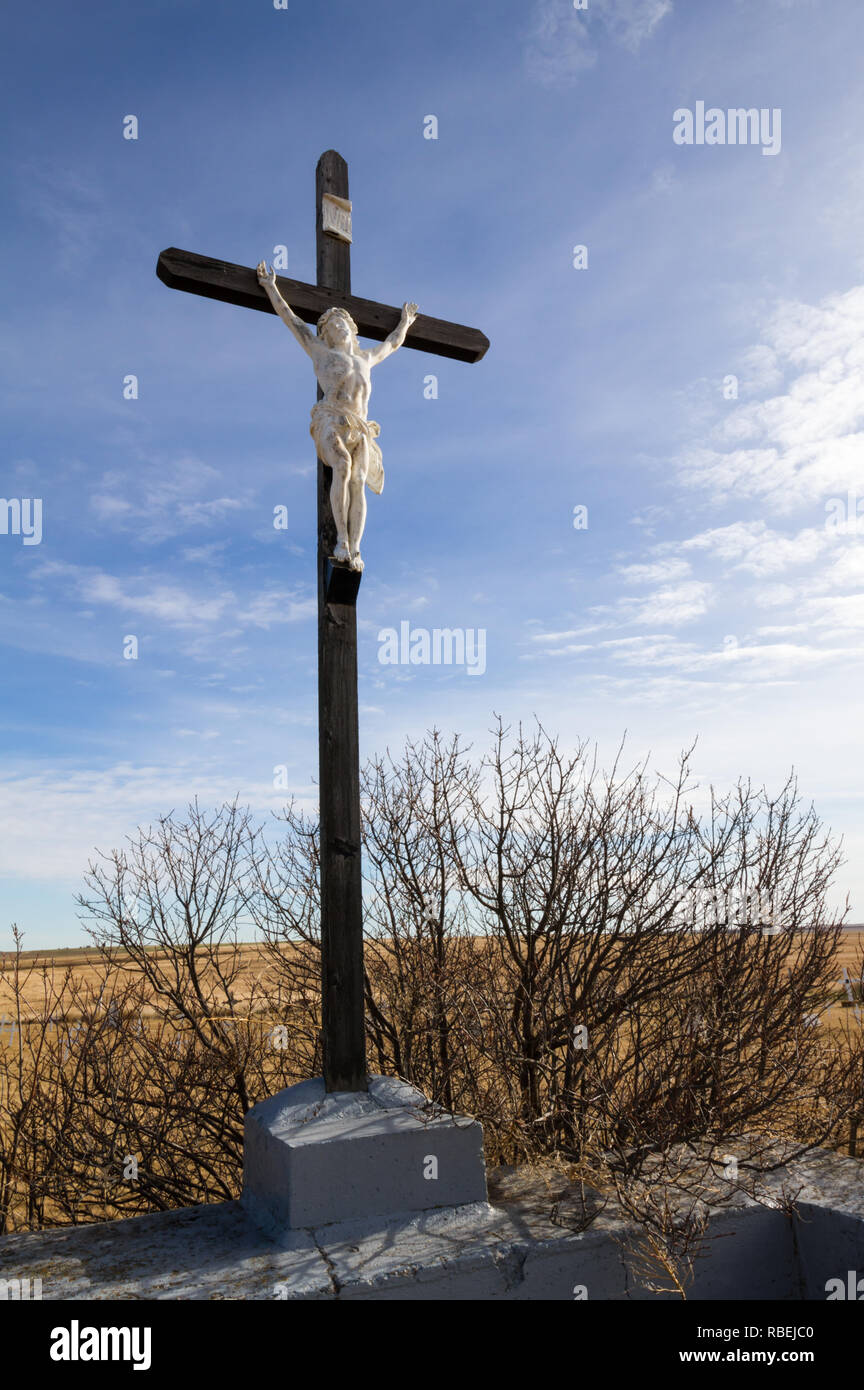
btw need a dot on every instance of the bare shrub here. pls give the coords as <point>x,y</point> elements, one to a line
<point>613,980</point>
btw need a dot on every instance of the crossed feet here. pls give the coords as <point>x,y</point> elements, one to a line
<point>343,556</point>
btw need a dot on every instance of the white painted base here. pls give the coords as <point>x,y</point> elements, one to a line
<point>313,1159</point>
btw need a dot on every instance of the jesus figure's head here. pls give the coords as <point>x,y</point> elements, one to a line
<point>338,329</point>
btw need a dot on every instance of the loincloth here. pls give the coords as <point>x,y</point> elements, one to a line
<point>351,428</point>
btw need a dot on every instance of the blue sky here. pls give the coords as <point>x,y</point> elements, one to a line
<point>706,597</point>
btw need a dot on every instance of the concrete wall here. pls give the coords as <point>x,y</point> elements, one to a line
<point>515,1250</point>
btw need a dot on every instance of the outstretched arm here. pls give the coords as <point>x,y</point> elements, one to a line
<point>304,335</point>
<point>396,338</point>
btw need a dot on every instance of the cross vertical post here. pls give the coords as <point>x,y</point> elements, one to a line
<point>342,976</point>
<point>342,1001</point>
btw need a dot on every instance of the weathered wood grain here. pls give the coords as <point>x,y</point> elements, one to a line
<point>238,284</point>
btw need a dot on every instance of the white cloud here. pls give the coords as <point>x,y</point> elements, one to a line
<point>838,611</point>
<point>773,595</point>
<point>759,369</point>
<point>553,638</point>
<point>52,821</point>
<point>753,546</point>
<point>163,501</point>
<point>806,444</point>
<point>277,606</point>
<point>108,508</point>
<point>656,572</point>
<point>743,662</point>
<point>781,630</point>
<point>631,22</point>
<point>143,596</point>
<point>560,42</point>
<point>672,604</point>
<point>847,565</point>
<point>558,47</point>
<point>649,649</point>
<point>570,649</point>
<point>204,554</point>
<point>770,660</point>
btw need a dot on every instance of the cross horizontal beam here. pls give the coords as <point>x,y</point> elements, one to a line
<point>237,284</point>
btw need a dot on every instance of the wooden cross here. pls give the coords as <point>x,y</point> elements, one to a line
<point>343,1023</point>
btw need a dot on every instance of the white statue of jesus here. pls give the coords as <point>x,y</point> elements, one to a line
<point>345,438</point>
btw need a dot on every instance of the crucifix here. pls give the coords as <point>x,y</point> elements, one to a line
<point>348,459</point>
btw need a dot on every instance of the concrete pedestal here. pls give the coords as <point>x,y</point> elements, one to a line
<point>313,1159</point>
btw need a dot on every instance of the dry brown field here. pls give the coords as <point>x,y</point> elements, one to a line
<point>42,975</point>
<point>46,970</point>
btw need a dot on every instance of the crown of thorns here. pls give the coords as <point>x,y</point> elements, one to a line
<point>331,313</point>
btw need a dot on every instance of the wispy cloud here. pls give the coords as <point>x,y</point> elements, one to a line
<point>807,443</point>
<point>71,204</point>
<point>631,22</point>
<point>736,662</point>
<point>561,42</point>
<point>146,596</point>
<point>558,46</point>
<point>78,812</point>
<point>753,546</point>
<point>655,572</point>
<point>670,604</point>
<point>164,500</point>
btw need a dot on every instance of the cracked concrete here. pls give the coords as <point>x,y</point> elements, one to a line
<point>328,1263</point>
